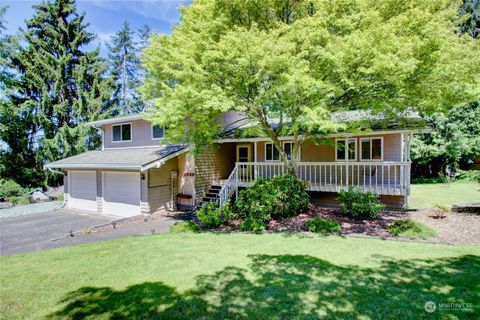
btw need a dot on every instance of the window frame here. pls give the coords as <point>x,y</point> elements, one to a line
<point>121,125</point>
<point>346,140</point>
<point>283,146</point>
<point>265,153</point>
<point>153,138</point>
<point>381,149</point>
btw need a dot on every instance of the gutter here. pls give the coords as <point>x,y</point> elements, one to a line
<point>95,166</point>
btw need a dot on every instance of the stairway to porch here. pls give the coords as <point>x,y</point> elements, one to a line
<point>212,195</point>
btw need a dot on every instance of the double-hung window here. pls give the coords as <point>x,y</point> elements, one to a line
<point>371,149</point>
<point>158,132</point>
<point>271,153</point>
<point>346,148</point>
<point>122,132</point>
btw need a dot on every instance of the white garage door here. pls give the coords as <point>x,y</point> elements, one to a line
<point>122,193</point>
<point>83,190</point>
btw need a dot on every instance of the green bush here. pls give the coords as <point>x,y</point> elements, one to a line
<point>360,204</point>
<point>410,229</point>
<point>278,198</point>
<point>9,188</point>
<point>469,175</point>
<point>252,225</point>
<point>210,215</point>
<point>185,226</point>
<point>321,225</point>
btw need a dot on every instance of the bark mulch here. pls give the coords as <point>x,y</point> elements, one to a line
<point>452,228</point>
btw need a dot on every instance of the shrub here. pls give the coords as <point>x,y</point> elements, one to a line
<point>23,200</point>
<point>278,197</point>
<point>410,229</point>
<point>360,204</point>
<point>210,215</point>
<point>252,225</point>
<point>323,226</point>
<point>9,188</point>
<point>185,226</point>
<point>469,175</point>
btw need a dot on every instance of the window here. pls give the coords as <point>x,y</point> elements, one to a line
<point>371,149</point>
<point>158,131</point>
<point>122,132</point>
<point>346,146</point>
<point>271,153</point>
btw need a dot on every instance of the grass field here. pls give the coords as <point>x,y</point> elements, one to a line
<point>446,194</point>
<point>225,276</point>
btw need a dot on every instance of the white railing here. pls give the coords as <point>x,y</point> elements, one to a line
<point>387,178</point>
<point>228,187</point>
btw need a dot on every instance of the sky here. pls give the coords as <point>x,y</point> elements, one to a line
<point>106,16</point>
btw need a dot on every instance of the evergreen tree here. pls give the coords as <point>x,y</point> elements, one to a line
<point>144,33</point>
<point>125,69</point>
<point>3,11</point>
<point>60,87</point>
<point>470,17</point>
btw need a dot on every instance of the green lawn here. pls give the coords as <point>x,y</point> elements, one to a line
<point>446,194</point>
<point>224,276</point>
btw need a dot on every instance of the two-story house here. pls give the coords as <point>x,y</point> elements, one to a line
<point>135,173</point>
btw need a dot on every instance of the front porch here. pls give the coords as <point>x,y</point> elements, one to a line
<point>382,178</point>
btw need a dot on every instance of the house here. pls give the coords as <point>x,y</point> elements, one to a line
<point>135,173</point>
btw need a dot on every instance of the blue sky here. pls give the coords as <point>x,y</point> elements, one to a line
<point>106,16</point>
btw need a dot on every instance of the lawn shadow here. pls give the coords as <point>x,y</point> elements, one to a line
<point>297,287</point>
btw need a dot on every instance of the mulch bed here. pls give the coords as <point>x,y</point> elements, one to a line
<point>452,228</point>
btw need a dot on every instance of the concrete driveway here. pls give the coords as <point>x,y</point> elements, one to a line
<point>40,231</point>
<point>34,231</point>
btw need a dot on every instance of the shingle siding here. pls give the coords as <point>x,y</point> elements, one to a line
<point>160,189</point>
<point>214,163</point>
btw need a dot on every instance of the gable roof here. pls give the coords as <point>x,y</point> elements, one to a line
<point>138,159</point>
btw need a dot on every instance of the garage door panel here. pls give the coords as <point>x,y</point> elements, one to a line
<point>83,190</point>
<point>122,193</point>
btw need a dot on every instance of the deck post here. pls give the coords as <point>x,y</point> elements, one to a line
<point>236,181</point>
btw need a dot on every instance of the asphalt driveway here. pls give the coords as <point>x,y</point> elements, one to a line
<point>51,229</point>
<point>34,231</point>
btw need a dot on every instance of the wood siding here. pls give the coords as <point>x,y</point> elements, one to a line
<point>215,163</point>
<point>311,152</point>
<point>141,135</point>
<point>160,190</point>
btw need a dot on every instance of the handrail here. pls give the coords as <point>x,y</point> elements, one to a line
<point>228,188</point>
<point>381,177</point>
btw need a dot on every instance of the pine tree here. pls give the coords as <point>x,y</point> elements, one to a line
<point>470,17</point>
<point>144,33</point>
<point>125,69</point>
<point>3,11</point>
<point>60,87</point>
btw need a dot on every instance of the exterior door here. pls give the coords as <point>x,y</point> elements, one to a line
<point>244,154</point>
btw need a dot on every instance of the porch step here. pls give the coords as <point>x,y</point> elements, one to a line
<point>211,195</point>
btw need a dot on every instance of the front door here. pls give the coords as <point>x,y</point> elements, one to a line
<point>244,154</point>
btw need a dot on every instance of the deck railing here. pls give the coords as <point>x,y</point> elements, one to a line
<point>383,178</point>
<point>228,187</point>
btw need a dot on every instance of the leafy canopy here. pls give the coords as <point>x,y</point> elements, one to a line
<point>298,61</point>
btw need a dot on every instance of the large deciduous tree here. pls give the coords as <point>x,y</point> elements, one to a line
<point>295,62</point>
<point>60,85</point>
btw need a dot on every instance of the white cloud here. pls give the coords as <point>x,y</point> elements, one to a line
<point>162,10</point>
